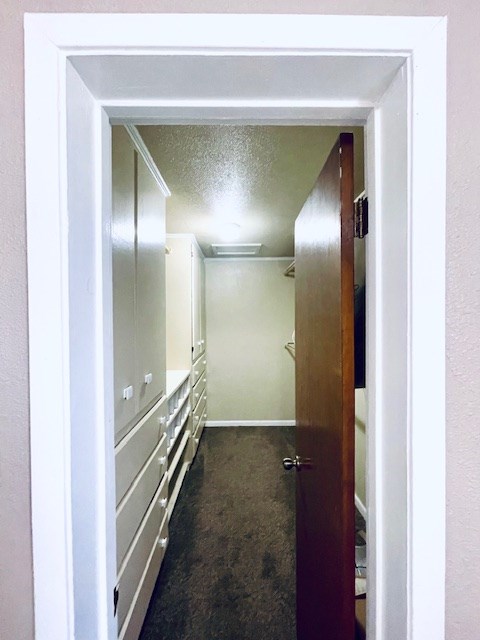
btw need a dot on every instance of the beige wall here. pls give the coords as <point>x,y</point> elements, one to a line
<point>250,316</point>
<point>463,300</point>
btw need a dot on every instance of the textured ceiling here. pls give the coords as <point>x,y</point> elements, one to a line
<point>256,177</point>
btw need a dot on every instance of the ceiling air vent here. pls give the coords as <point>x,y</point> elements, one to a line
<point>236,249</point>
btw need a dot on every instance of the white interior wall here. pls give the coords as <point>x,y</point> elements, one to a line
<point>250,317</point>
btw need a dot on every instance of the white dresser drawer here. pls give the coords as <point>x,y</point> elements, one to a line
<point>199,410</point>
<point>139,555</point>
<point>136,614</point>
<point>198,389</point>
<point>197,434</point>
<point>135,449</point>
<point>136,501</point>
<point>198,368</point>
<point>201,426</point>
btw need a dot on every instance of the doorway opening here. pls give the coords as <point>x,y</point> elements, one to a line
<point>256,178</point>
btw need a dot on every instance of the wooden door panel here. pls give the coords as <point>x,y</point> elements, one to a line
<point>325,402</point>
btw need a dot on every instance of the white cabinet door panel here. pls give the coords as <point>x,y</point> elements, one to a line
<point>150,288</point>
<point>203,310</point>
<point>123,267</point>
<point>196,307</point>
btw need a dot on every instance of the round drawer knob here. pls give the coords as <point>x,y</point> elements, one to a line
<point>163,542</point>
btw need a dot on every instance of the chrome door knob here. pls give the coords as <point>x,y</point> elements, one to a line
<point>289,463</point>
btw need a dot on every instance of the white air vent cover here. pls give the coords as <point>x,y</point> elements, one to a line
<point>236,249</point>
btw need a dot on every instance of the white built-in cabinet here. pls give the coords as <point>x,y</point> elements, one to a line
<point>198,302</point>
<point>141,405</point>
<point>138,261</point>
<point>159,371</point>
<point>186,324</point>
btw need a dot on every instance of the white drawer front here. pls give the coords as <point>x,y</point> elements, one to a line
<point>136,614</point>
<point>140,554</point>
<point>135,503</point>
<point>199,410</point>
<point>135,449</point>
<point>199,388</point>
<point>197,434</point>
<point>198,368</point>
<point>200,426</point>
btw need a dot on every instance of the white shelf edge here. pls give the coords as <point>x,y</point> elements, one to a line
<point>179,376</point>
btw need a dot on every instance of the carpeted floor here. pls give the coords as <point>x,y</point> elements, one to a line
<point>229,572</point>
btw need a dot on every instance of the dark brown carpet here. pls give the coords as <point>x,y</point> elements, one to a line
<point>229,572</point>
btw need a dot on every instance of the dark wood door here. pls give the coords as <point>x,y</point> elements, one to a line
<point>325,398</point>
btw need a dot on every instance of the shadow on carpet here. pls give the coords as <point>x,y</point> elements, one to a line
<point>229,571</point>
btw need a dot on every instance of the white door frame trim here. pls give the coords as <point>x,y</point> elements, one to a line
<point>56,386</point>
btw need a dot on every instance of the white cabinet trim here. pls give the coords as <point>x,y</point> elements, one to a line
<point>141,147</point>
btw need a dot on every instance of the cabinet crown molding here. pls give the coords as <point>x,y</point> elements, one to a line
<point>141,147</point>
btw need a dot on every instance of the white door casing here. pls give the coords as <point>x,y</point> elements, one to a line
<point>71,93</point>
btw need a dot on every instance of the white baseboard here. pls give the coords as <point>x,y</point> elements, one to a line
<point>361,507</point>
<point>250,423</point>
